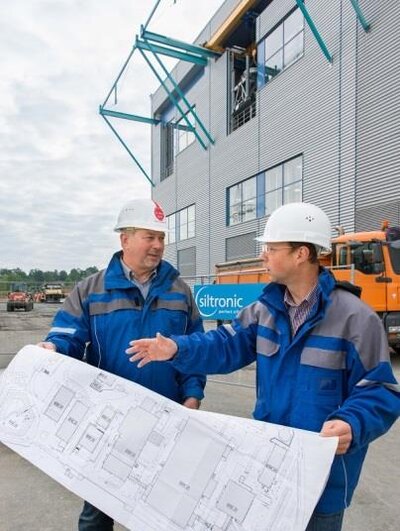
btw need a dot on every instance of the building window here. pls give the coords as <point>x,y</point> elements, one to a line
<point>283,184</point>
<point>187,262</point>
<point>187,222</point>
<point>242,201</point>
<point>243,246</point>
<point>283,45</point>
<point>170,236</point>
<point>185,137</point>
<point>167,150</point>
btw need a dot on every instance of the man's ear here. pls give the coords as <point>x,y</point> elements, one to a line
<point>303,253</point>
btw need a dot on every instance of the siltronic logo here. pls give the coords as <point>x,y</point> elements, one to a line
<point>210,305</point>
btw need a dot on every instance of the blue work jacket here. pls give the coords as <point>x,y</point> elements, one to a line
<point>106,311</point>
<point>336,366</point>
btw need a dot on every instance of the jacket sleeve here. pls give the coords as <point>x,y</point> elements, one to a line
<point>70,329</point>
<point>373,394</point>
<point>220,351</point>
<point>192,383</point>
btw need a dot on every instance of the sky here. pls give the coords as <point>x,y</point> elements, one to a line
<point>63,174</point>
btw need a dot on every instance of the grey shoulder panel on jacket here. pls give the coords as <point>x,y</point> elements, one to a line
<point>74,302</point>
<point>352,319</point>
<point>180,286</point>
<point>256,312</point>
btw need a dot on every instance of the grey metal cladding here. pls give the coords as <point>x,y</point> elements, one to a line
<point>349,317</point>
<point>378,112</point>
<point>369,217</point>
<point>90,285</point>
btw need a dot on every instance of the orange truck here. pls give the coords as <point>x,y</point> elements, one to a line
<point>370,260</point>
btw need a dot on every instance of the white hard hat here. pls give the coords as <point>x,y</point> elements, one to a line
<point>298,222</point>
<point>141,214</point>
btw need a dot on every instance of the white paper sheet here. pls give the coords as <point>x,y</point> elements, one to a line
<point>152,464</point>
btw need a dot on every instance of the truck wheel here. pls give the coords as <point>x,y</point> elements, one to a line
<point>10,308</point>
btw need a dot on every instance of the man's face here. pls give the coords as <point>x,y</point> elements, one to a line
<point>142,249</point>
<point>280,261</point>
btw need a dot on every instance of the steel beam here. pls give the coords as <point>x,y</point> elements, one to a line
<point>360,15</point>
<point>176,54</point>
<point>126,116</point>
<point>314,30</point>
<point>181,94</point>
<point>172,98</point>
<point>135,160</point>
<point>167,41</point>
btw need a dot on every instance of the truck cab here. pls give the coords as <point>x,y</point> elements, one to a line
<point>371,260</point>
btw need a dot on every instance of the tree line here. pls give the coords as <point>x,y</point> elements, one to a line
<point>37,276</point>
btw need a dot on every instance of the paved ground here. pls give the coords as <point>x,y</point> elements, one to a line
<point>29,500</point>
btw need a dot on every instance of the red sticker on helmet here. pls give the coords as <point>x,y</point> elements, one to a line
<point>158,212</point>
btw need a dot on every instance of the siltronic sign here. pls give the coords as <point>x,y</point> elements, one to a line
<point>224,301</point>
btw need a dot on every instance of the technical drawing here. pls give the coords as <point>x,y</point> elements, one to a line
<point>152,464</point>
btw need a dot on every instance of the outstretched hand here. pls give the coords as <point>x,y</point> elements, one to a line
<point>144,351</point>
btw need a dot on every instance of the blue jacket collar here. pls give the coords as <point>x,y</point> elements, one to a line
<point>273,293</point>
<point>116,279</point>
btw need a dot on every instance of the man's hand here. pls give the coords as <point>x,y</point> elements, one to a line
<point>341,429</point>
<point>192,403</point>
<point>47,344</point>
<point>157,349</point>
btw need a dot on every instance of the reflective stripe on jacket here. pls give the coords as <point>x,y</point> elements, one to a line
<point>106,311</point>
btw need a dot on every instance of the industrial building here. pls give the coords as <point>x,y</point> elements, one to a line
<point>290,101</point>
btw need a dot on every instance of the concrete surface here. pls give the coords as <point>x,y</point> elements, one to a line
<point>30,500</point>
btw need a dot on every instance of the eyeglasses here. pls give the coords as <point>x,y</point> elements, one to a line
<point>268,249</point>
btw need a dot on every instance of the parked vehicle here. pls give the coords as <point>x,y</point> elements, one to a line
<point>52,292</point>
<point>370,260</point>
<point>19,298</point>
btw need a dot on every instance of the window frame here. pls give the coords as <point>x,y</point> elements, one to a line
<point>180,133</point>
<point>241,202</point>
<point>280,26</point>
<point>283,186</point>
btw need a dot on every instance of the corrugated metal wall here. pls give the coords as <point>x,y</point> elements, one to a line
<point>378,114</point>
<point>344,118</point>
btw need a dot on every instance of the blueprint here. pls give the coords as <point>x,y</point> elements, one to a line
<point>152,464</point>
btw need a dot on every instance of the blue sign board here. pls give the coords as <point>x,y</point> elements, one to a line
<point>224,301</point>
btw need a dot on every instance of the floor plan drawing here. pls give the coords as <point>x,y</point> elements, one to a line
<point>152,464</point>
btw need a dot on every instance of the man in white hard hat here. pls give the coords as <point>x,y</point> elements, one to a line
<point>138,295</point>
<point>322,356</point>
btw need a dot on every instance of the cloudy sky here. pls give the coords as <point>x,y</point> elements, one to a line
<point>63,174</point>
